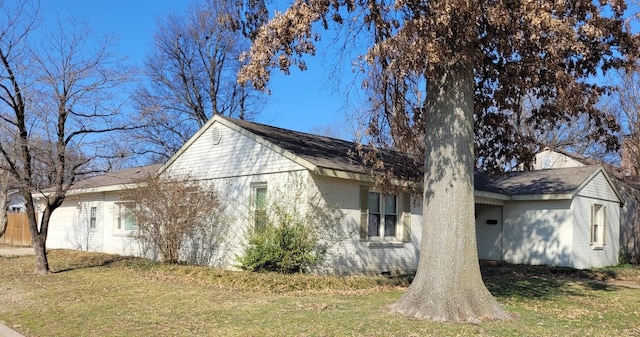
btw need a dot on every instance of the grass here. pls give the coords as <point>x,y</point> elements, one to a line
<point>103,295</point>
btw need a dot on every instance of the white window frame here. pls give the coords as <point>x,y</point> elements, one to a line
<point>119,227</point>
<point>598,226</point>
<point>255,187</point>
<point>93,217</point>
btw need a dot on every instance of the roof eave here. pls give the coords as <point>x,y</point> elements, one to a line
<point>491,195</point>
<point>541,197</point>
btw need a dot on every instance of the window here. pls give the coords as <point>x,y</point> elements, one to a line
<point>546,161</point>
<point>260,206</point>
<point>93,212</point>
<point>598,225</point>
<point>384,217</point>
<point>126,217</point>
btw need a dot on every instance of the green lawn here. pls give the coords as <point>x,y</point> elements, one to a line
<point>103,295</point>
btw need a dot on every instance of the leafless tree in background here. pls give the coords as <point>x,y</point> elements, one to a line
<point>60,99</point>
<point>191,75</point>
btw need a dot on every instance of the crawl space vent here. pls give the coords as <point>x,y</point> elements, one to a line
<point>216,135</point>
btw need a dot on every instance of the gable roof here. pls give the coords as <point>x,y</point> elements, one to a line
<point>319,154</point>
<point>560,183</point>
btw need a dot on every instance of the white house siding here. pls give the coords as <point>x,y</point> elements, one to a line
<point>236,217</point>
<point>114,241</point>
<point>355,256</point>
<point>69,225</point>
<point>234,155</point>
<point>586,255</point>
<point>488,233</point>
<point>233,165</point>
<point>538,232</point>
<point>550,159</point>
<point>598,188</point>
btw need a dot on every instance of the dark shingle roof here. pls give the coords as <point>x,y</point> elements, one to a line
<point>324,152</point>
<point>550,181</point>
<point>119,177</point>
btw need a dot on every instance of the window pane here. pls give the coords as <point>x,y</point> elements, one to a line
<point>374,225</point>
<point>374,202</point>
<point>390,204</point>
<point>93,217</point>
<point>261,198</point>
<point>390,225</point>
<point>129,217</point>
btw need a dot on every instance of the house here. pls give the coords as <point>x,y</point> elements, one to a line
<point>86,218</point>
<point>626,181</point>
<point>565,218</point>
<point>15,202</point>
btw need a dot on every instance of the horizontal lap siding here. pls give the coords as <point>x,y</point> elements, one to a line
<point>585,255</point>
<point>538,232</point>
<point>353,256</point>
<point>69,225</point>
<point>234,155</point>
<point>117,242</point>
<point>599,188</point>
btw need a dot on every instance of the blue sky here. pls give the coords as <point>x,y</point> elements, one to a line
<point>301,101</point>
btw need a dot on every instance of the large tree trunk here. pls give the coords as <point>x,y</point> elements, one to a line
<point>448,285</point>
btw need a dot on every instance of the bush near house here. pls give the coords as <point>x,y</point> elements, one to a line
<point>293,234</point>
<point>288,247</point>
<point>169,212</point>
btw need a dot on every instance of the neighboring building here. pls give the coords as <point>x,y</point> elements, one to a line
<point>626,181</point>
<point>556,217</point>
<point>15,202</point>
<point>564,217</point>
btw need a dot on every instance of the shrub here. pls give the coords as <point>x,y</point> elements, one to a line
<point>295,234</point>
<point>169,211</point>
<point>288,247</point>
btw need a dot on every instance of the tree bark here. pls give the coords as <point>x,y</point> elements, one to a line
<point>38,233</point>
<point>4,186</point>
<point>448,285</point>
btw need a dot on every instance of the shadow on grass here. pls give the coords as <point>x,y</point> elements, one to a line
<point>92,263</point>
<point>543,282</point>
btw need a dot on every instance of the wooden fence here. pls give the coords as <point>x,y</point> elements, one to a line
<point>17,233</point>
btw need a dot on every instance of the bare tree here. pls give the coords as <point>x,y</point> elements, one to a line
<point>627,106</point>
<point>474,60</point>
<point>168,212</point>
<point>60,97</point>
<point>192,75</point>
<point>628,109</point>
<point>4,186</point>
